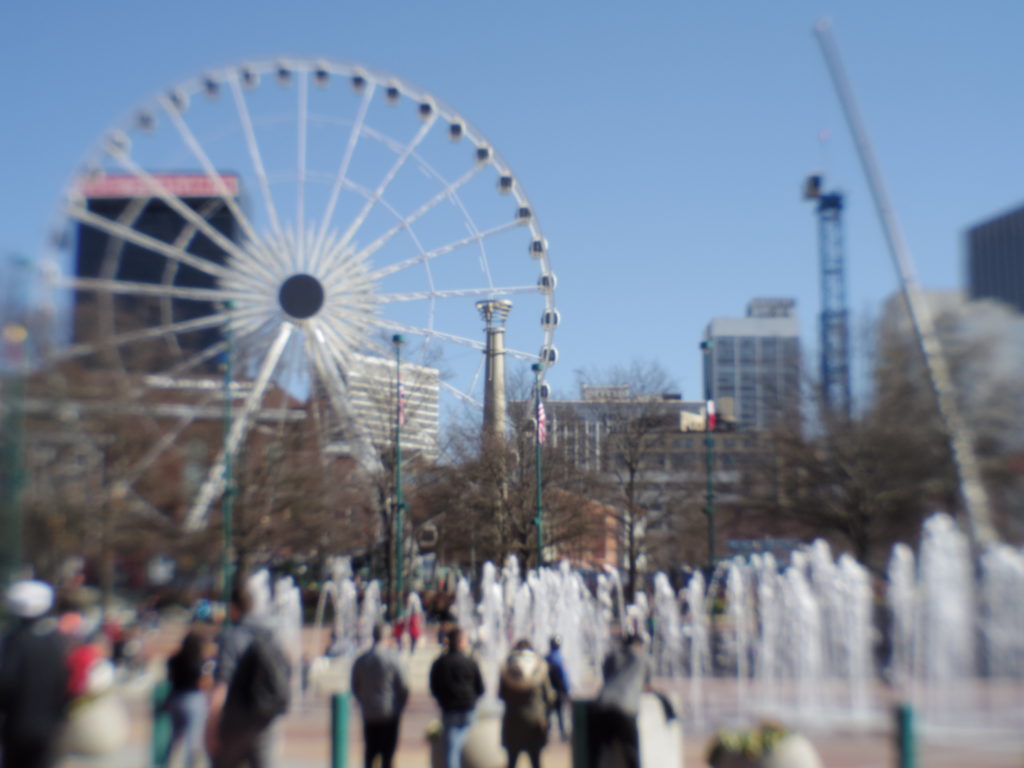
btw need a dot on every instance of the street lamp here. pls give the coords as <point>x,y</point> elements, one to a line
<point>709,450</point>
<point>14,338</point>
<point>538,369</point>
<point>227,502</point>
<point>398,340</point>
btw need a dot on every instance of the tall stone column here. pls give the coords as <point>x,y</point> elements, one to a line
<point>495,313</point>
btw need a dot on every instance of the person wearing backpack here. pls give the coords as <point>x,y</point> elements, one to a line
<point>379,685</point>
<point>251,688</point>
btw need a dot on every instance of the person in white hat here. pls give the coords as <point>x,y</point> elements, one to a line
<point>33,679</point>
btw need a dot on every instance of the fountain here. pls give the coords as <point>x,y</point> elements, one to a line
<point>796,642</point>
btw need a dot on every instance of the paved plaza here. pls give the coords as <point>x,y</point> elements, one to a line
<point>305,732</point>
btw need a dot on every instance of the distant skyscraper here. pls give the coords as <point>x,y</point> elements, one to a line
<point>995,259</point>
<point>755,360</point>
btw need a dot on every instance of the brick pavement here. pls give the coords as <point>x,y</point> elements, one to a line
<point>306,734</point>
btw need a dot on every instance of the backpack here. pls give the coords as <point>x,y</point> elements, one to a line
<point>259,688</point>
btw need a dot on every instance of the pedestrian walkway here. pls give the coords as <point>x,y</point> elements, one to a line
<point>305,733</point>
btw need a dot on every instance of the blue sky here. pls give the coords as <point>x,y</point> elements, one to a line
<point>662,144</point>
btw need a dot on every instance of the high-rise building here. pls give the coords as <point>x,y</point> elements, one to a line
<point>372,393</point>
<point>995,259</point>
<point>582,428</point>
<point>103,256</point>
<point>755,360</point>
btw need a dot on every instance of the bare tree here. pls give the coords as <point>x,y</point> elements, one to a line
<point>484,495</point>
<point>868,482</point>
<point>627,406</point>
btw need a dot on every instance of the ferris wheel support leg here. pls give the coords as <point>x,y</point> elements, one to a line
<point>214,483</point>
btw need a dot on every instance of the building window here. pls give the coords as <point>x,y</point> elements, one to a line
<point>748,351</point>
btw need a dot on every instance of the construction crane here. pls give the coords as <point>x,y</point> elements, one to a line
<point>834,329</point>
<point>961,439</point>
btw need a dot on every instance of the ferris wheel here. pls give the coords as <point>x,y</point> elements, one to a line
<point>290,221</point>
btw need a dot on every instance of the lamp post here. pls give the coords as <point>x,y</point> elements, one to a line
<point>709,451</point>
<point>227,502</point>
<point>14,337</point>
<point>538,369</point>
<point>398,340</point>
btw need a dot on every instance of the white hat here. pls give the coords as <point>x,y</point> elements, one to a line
<point>29,599</point>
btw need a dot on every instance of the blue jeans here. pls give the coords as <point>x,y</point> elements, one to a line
<point>188,718</point>
<point>454,732</point>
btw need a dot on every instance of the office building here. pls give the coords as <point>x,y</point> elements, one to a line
<point>755,361</point>
<point>372,396</point>
<point>995,259</point>
<point>126,201</point>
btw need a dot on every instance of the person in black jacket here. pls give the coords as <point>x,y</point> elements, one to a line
<point>456,684</point>
<point>188,671</point>
<point>33,680</point>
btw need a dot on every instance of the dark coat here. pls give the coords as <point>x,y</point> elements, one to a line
<point>455,682</point>
<point>33,683</point>
<point>528,695</point>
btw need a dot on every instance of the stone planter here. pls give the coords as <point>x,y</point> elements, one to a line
<point>792,751</point>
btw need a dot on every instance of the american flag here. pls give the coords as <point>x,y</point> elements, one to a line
<point>542,423</point>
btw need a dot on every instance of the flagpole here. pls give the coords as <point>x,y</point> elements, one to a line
<point>538,369</point>
<point>398,340</point>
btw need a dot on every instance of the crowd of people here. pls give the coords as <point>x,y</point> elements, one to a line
<point>227,691</point>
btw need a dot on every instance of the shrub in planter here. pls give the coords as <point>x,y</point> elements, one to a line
<point>770,745</point>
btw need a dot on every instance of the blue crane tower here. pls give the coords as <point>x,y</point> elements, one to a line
<point>834,330</point>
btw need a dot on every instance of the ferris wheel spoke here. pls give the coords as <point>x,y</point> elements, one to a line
<point>160,290</point>
<point>197,324</point>
<point>187,136</point>
<point>119,230</point>
<point>388,178</point>
<point>427,333</point>
<point>300,192</point>
<point>197,359</point>
<point>426,256</point>
<point>490,293</point>
<point>167,439</point>
<point>466,398</point>
<point>346,276</point>
<point>354,320</point>
<point>342,174</point>
<point>213,486</point>
<point>331,381</point>
<point>447,192</point>
<point>259,258</point>
<point>254,151</point>
<point>336,341</point>
<point>477,373</point>
<point>174,202</point>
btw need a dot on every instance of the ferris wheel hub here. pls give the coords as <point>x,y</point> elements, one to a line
<point>301,296</point>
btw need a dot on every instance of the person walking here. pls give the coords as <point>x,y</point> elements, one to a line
<point>380,686</point>
<point>456,684</point>
<point>415,629</point>
<point>628,672</point>
<point>33,679</point>
<point>189,673</point>
<point>559,677</point>
<point>251,688</point>
<point>528,694</point>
